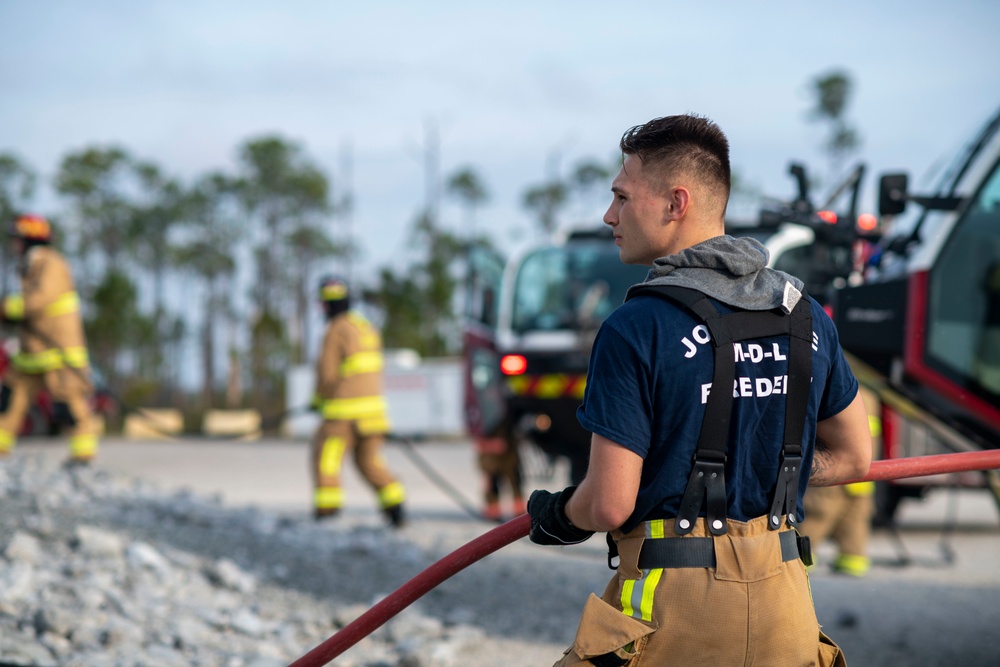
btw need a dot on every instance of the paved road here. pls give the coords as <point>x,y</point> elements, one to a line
<point>932,598</point>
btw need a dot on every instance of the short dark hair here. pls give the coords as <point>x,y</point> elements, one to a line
<point>687,143</point>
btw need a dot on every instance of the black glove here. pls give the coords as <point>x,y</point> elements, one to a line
<point>549,524</point>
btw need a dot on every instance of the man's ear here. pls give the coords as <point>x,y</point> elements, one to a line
<point>678,200</point>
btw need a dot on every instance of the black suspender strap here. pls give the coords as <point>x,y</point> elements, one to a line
<point>786,490</point>
<point>706,484</point>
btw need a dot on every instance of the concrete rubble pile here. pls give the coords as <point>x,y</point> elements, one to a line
<point>102,571</point>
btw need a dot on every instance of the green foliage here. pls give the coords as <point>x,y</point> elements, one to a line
<point>466,186</point>
<point>545,201</point>
<point>268,362</point>
<point>133,224</point>
<point>588,179</point>
<point>419,304</point>
<point>286,199</point>
<point>832,93</point>
<point>17,185</point>
<point>115,323</point>
<point>401,298</point>
<point>98,182</point>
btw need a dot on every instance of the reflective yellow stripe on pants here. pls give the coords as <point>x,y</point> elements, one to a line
<point>637,594</point>
<point>328,497</point>
<point>83,446</point>
<point>6,441</point>
<point>852,564</point>
<point>331,456</point>
<point>391,495</point>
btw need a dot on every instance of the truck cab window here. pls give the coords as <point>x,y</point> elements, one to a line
<point>571,287</point>
<point>963,337</point>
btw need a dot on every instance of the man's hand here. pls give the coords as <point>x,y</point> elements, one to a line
<point>549,524</point>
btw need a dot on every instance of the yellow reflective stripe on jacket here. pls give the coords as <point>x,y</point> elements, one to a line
<point>361,362</point>
<point>67,303</point>
<point>13,306</point>
<point>51,359</point>
<point>637,594</point>
<point>354,408</point>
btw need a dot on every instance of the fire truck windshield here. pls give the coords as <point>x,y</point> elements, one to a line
<point>964,297</point>
<point>575,286</point>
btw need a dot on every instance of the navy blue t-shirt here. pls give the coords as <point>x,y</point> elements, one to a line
<point>649,379</point>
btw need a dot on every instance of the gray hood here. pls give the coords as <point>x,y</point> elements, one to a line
<point>731,270</point>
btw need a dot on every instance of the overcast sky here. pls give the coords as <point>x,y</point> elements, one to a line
<point>514,87</point>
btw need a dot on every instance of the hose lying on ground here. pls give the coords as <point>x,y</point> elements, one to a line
<point>515,529</point>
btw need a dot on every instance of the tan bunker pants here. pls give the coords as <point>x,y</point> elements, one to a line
<point>754,607</point>
<point>65,385</point>
<point>335,439</point>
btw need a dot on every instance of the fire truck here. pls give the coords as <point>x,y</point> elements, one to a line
<point>915,295</point>
<point>530,326</point>
<point>923,329</point>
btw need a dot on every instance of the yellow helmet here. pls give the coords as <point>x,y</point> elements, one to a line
<point>333,288</point>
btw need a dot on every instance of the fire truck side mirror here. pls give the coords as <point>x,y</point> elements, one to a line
<point>892,194</point>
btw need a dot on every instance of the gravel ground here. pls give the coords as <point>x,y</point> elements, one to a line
<point>98,569</point>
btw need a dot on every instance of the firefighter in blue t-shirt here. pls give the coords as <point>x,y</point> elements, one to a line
<point>706,392</point>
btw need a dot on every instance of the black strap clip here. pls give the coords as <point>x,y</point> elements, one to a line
<point>708,482</point>
<point>805,549</point>
<point>612,553</point>
<point>786,492</point>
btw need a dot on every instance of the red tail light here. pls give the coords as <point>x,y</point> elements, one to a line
<point>867,222</point>
<point>829,217</point>
<point>513,364</point>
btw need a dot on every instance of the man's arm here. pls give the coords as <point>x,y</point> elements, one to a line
<point>843,446</point>
<point>606,496</point>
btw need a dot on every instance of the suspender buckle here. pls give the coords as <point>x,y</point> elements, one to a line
<point>786,491</point>
<point>707,483</point>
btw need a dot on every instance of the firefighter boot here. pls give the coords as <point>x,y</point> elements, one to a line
<point>492,511</point>
<point>395,515</point>
<point>325,513</point>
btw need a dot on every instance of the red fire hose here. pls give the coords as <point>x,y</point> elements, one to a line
<point>515,529</point>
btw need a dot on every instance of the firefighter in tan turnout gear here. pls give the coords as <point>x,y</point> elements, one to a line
<point>53,350</point>
<point>844,513</point>
<point>349,398</point>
